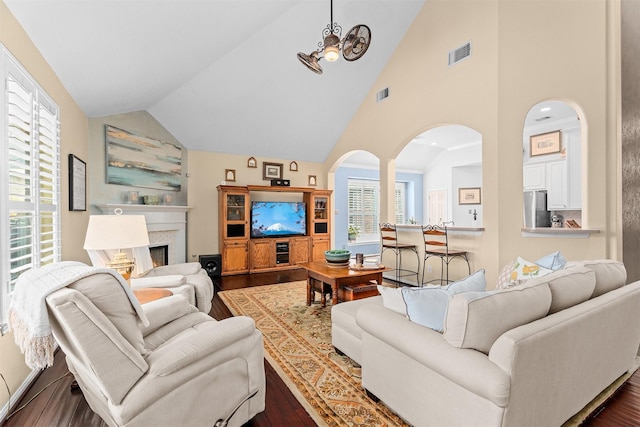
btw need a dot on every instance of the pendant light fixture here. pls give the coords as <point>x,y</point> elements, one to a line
<point>353,46</point>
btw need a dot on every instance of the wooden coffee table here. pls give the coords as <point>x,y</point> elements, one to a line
<point>337,276</point>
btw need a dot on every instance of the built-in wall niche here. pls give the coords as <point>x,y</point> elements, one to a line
<point>552,166</point>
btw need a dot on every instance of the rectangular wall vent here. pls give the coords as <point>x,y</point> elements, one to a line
<point>459,54</point>
<point>383,94</point>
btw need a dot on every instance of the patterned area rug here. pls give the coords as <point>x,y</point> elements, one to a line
<point>297,341</point>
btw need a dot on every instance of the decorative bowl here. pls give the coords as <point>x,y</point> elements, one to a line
<point>151,200</point>
<point>337,255</point>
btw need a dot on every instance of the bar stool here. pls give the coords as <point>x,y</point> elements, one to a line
<point>389,241</point>
<point>436,244</point>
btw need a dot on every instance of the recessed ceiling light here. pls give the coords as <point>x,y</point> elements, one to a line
<point>545,109</point>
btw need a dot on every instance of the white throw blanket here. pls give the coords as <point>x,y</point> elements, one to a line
<point>28,310</point>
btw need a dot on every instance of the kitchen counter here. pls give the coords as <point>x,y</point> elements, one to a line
<point>579,233</point>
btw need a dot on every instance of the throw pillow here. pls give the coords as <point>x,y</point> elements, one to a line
<point>553,261</point>
<point>392,299</point>
<point>428,306</point>
<point>520,271</point>
<point>504,278</point>
<point>473,283</point>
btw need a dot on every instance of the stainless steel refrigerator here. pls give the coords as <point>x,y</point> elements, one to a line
<point>535,209</point>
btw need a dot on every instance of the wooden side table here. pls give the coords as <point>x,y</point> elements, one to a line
<point>146,295</point>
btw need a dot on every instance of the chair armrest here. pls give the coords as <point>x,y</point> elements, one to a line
<point>183,269</point>
<point>169,281</point>
<point>165,310</point>
<point>189,349</point>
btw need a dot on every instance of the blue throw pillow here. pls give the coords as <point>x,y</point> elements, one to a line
<point>428,306</point>
<point>553,261</point>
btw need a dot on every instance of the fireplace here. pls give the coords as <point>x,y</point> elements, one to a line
<point>159,255</point>
<point>167,226</point>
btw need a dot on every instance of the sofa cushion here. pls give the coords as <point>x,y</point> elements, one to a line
<point>569,286</point>
<point>343,315</point>
<point>476,319</point>
<point>392,299</point>
<point>610,274</point>
<point>427,306</point>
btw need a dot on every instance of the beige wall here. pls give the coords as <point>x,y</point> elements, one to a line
<point>74,140</point>
<point>206,172</point>
<point>523,52</point>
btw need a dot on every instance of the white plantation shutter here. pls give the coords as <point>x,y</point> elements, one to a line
<point>400,203</point>
<point>30,201</point>
<point>364,209</point>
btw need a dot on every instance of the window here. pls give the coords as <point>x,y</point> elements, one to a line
<point>400,203</point>
<point>364,207</point>
<point>30,200</point>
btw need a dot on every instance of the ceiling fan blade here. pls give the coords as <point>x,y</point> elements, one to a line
<point>310,61</point>
<point>356,42</point>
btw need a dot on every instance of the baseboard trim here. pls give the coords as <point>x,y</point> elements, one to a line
<point>19,393</point>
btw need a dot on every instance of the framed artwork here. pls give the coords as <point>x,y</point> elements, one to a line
<point>251,163</point>
<point>77,184</point>
<point>271,171</point>
<point>469,196</point>
<point>230,175</point>
<point>141,161</point>
<point>545,143</point>
<point>293,167</point>
<point>312,180</point>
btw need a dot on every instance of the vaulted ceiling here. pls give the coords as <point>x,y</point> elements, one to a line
<point>220,75</point>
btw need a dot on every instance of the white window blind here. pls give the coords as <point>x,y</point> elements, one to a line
<point>30,201</point>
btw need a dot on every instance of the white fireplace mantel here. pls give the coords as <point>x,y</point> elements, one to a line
<point>160,219</point>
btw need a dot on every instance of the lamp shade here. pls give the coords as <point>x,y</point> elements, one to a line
<point>116,232</point>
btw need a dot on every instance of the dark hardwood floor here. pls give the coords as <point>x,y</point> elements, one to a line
<point>56,405</point>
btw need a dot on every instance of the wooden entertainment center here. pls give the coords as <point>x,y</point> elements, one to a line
<point>243,254</point>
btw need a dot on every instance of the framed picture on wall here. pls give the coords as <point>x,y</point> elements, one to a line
<point>545,143</point>
<point>230,175</point>
<point>469,196</point>
<point>271,171</point>
<point>77,184</point>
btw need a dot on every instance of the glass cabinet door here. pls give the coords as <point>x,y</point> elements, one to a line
<point>320,208</point>
<point>237,216</point>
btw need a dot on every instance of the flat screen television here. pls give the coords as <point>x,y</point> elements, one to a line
<point>278,219</point>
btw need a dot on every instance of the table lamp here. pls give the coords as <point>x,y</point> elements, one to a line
<point>117,232</point>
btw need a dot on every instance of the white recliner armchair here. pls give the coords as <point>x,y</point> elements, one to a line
<point>184,368</point>
<point>187,279</point>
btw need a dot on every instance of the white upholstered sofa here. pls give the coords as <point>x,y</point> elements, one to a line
<point>531,355</point>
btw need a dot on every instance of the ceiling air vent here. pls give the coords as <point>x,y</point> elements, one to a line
<point>383,94</point>
<point>459,54</point>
